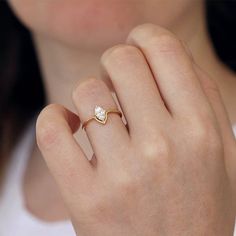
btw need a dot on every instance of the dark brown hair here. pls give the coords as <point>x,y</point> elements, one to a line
<point>21,88</point>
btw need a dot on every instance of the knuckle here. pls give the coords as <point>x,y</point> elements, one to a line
<point>156,151</point>
<point>205,136</point>
<point>199,133</point>
<point>153,35</point>
<point>47,134</point>
<point>51,108</point>
<point>166,43</point>
<point>119,53</point>
<point>142,30</point>
<point>86,88</point>
<point>125,184</point>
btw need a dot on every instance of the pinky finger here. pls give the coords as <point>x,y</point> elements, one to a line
<point>213,93</point>
<point>65,158</point>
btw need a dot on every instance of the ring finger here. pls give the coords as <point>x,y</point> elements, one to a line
<point>106,140</point>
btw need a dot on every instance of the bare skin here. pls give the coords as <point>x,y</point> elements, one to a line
<point>59,63</point>
<point>149,179</point>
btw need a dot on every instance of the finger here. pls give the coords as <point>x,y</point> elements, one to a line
<point>136,89</point>
<point>172,69</point>
<point>106,140</point>
<point>213,93</point>
<point>68,164</point>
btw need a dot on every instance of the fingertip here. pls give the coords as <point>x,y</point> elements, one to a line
<point>48,123</point>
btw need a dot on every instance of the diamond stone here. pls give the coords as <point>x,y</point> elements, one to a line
<point>100,113</point>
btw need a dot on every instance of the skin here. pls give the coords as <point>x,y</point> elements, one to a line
<point>149,157</point>
<point>73,21</point>
<point>155,185</point>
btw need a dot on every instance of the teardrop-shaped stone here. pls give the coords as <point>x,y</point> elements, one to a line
<point>100,113</point>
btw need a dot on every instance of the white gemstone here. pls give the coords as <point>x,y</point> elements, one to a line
<point>100,113</point>
<point>98,109</point>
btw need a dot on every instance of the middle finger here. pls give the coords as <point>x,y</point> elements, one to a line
<point>136,90</point>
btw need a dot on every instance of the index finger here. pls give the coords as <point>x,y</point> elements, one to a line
<point>65,158</point>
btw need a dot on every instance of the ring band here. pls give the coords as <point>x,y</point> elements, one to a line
<point>101,115</point>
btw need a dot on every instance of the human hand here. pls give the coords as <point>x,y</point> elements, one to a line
<point>169,172</point>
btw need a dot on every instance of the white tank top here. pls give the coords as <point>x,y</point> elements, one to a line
<point>15,220</point>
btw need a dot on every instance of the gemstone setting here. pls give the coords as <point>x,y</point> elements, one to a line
<point>100,114</point>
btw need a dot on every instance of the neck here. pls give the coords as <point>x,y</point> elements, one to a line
<point>62,67</point>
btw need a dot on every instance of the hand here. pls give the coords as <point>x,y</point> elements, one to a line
<point>169,172</point>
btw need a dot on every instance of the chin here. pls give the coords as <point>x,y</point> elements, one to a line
<point>79,22</point>
<point>92,24</point>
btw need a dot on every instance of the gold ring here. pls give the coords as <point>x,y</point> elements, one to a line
<point>101,115</point>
